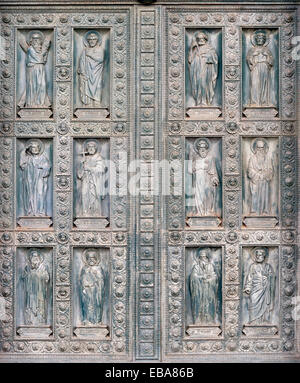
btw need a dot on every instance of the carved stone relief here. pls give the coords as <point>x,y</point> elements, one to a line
<point>203,189</point>
<point>34,292</point>
<point>91,182</point>
<point>91,292</point>
<point>260,305</point>
<point>34,74</point>
<point>260,181</point>
<point>110,276</point>
<point>203,293</point>
<point>44,147</point>
<point>203,77</point>
<point>34,185</point>
<point>91,73</point>
<point>260,73</point>
<point>253,183</point>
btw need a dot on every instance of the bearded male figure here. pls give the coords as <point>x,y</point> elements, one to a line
<point>205,178</point>
<point>259,286</point>
<point>35,167</point>
<point>203,67</point>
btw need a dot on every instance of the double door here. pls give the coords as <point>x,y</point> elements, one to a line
<point>148,183</point>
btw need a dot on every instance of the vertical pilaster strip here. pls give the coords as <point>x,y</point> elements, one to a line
<point>147,101</point>
<point>298,174</point>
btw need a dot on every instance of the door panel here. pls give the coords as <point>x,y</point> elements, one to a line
<point>217,219</point>
<point>76,299</point>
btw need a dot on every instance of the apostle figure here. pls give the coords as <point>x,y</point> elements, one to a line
<point>259,286</point>
<point>90,70</point>
<point>203,67</point>
<point>36,279</point>
<point>92,287</point>
<point>260,61</point>
<point>261,172</point>
<point>203,284</point>
<point>205,178</point>
<point>36,50</point>
<point>35,168</point>
<point>91,172</point>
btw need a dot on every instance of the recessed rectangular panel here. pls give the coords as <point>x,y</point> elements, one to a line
<point>91,73</point>
<point>34,170</point>
<point>260,165</point>
<point>203,72</point>
<point>34,292</point>
<point>260,305</point>
<point>91,280</point>
<point>260,68</point>
<point>91,180</point>
<point>34,69</point>
<point>203,182</point>
<point>203,291</point>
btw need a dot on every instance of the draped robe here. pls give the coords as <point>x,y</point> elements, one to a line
<point>203,67</point>
<point>92,294</point>
<point>260,283</point>
<point>36,283</point>
<point>35,94</point>
<point>260,61</point>
<point>204,170</point>
<point>260,172</point>
<point>203,286</point>
<point>35,172</point>
<point>90,70</point>
<point>91,172</point>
